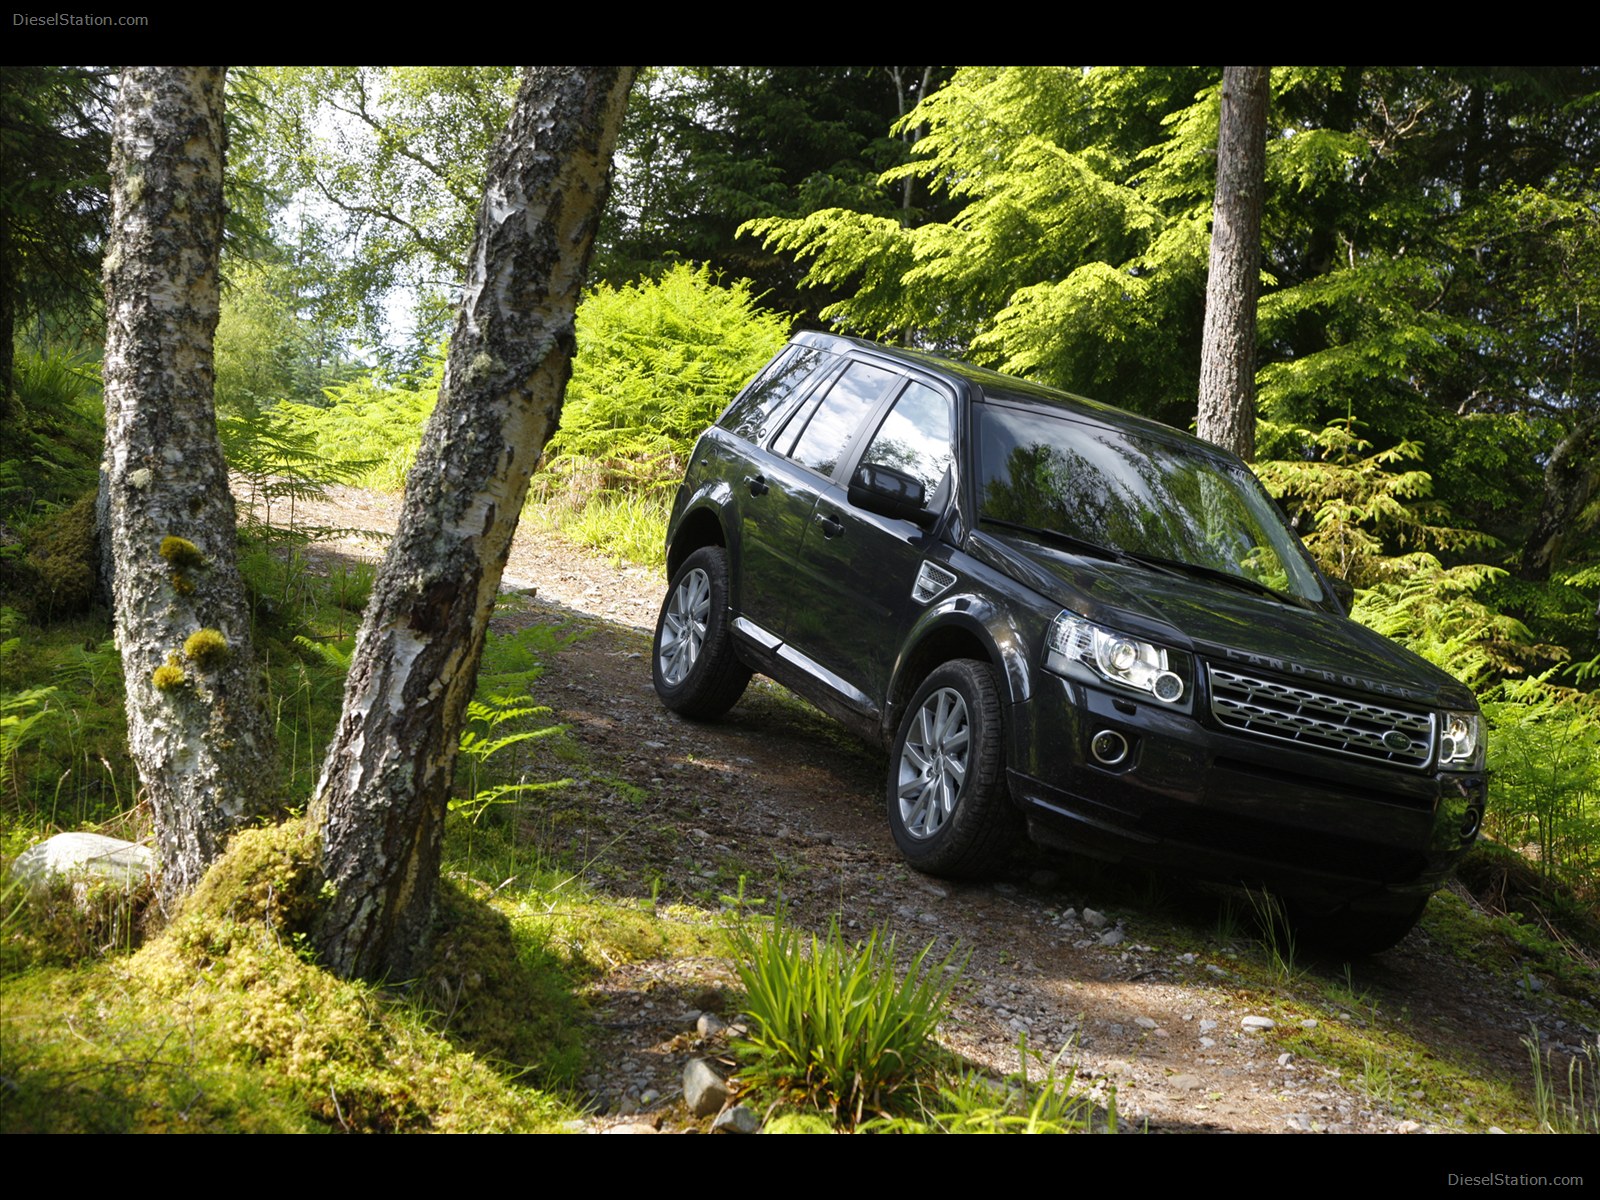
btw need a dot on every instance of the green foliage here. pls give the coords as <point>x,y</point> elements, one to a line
<point>53,434</point>
<point>58,576</point>
<point>657,363</point>
<point>264,353</point>
<point>1544,759</point>
<point>482,740</point>
<point>387,166</point>
<point>24,716</point>
<point>371,429</point>
<point>831,1024</point>
<point>1579,1111</point>
<point>1364,508</point>
<point>221,1024</point>
<point>703,149</point>
<point>54,126</point>
<point>972,1103</point>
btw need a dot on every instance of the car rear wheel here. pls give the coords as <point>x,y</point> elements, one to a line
<point>696,670</point>
<point>948,807</point>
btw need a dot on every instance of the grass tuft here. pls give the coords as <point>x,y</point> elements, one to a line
<point>834,1026</point>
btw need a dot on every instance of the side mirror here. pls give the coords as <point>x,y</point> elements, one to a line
<point>891,493</point>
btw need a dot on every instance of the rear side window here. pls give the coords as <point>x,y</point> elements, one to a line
<point>757,411</point>
<point>837,419</point>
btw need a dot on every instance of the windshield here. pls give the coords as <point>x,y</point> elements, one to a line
<point>1137,494</point>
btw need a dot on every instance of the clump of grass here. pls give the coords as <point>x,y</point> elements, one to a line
<point>835,1026</point>
<point>1579,1112</point>
<point>1277,937</point>
<point>627,525</point>
<point>972,1103</point>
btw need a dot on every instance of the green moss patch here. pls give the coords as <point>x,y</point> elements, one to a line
<point>223,1024</point>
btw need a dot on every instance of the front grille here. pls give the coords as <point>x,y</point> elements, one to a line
<point>1270,709</point>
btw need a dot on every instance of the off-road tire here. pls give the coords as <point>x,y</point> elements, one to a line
<point>948,806</point>
<point>697,671</point>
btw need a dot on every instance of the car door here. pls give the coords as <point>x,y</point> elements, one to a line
<point>781,496</point>
<point>859,567</point>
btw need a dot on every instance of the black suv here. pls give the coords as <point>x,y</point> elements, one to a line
<point>1062,616</point>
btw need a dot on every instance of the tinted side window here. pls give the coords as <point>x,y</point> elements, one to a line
<point>915,436</point>
<point>839,415</point>
<point>754,414</point>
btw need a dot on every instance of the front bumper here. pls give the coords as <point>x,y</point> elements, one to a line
<point>1320,827</point>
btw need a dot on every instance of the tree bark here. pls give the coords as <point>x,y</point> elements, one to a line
<point>196,726</point>
<point>386,781</point>
<point>1227,357</point>
<point>1571,479</point>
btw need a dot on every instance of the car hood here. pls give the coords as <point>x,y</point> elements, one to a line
<point>1223,624</point>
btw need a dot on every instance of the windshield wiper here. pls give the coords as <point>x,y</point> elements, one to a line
<point>1064,539</point>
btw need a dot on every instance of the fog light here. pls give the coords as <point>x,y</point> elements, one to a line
<point>1471,823</point>
<point>1108,747</point>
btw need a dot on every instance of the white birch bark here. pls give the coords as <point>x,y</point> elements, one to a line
<point>196,725</point>
<point>386,781</point>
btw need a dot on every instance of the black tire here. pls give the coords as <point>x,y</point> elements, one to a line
<point>696,669</point>
<point>1356,932</point>
<point>948,807</point>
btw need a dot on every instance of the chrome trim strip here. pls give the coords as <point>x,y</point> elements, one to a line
<point>755,633</point>
<point>812,667</point>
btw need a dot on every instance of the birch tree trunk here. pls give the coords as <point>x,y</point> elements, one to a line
<point>386,781</point>
<point>196,725</point>
<point>1228,349</point>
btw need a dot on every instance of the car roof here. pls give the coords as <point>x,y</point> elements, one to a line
<point>982,384</point>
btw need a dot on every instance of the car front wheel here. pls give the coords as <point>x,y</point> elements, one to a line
<point>696,670</point>
<point>948,807</point>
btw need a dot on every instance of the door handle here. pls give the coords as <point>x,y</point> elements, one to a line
<point>832,527</point>
<point>757,484</point>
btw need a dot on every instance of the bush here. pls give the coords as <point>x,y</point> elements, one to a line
<point>657,363</point>
<point>831,1024</point>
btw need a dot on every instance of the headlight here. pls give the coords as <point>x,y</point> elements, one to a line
<point>1461,741</point>
<point>1074,642</point>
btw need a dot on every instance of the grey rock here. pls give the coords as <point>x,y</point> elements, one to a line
<point>1145,1022</point>
<point>1112,937</point>
<point>709,1025</point>
<point>704,1091</point>
<point>85,854</point>
<point>630,1127</point>
<point>1258,1024</point>
<point>1186,1083</point>
<point>1207,1024</point>
<point>1309,1023</point>
<point>737,1119</point>
<point>1285,1059</point>
<point>1094,919</point>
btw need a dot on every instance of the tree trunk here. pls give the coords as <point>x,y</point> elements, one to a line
<point>1571,479</point>
<point>386,781</point>
<point>1227,357</point>
<point>196,725</point>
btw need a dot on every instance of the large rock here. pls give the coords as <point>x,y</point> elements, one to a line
<point>85,854</point>
<point>704,1091</point>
